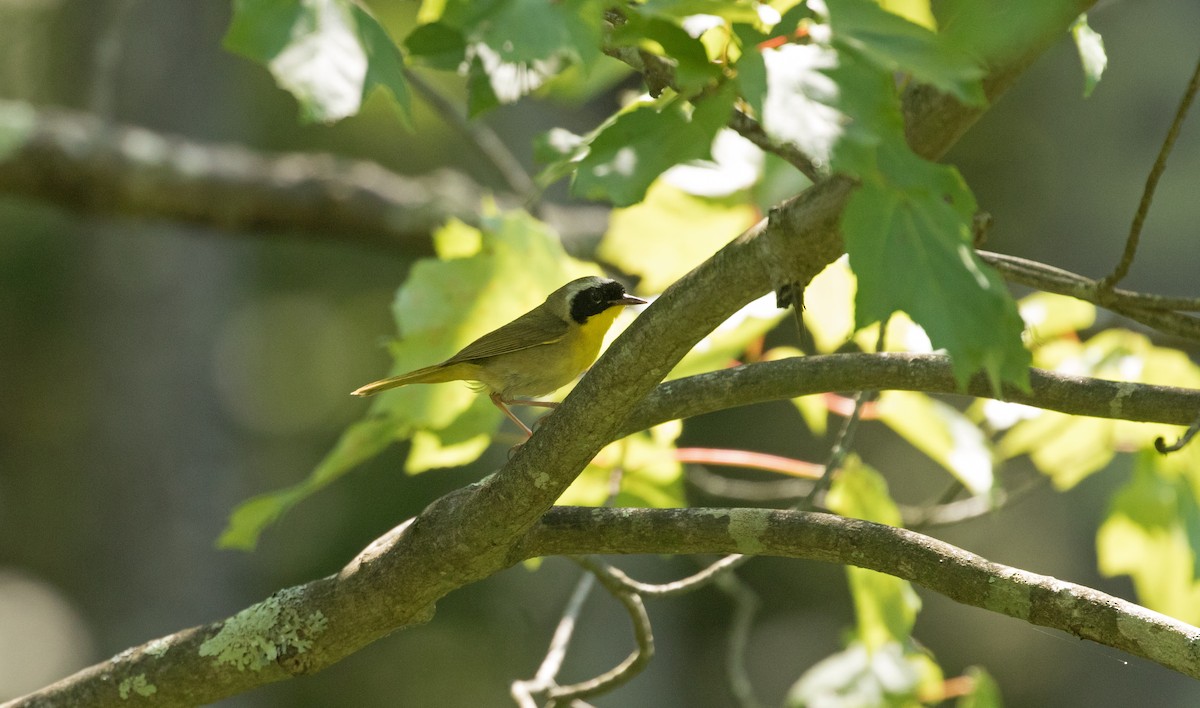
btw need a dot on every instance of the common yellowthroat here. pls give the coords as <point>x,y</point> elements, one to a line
<point>535,354</point>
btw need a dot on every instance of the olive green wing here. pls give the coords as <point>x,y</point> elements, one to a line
<point>531,329</point>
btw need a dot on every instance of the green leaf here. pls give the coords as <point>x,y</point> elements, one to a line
<point>481,96</point>
<point>752,78</point>
<point>626,155</point>
<point>886,606</point>
<point>1092,57</point>
<point>893,43</point>
<point>729,341</point>
<point>909,241</point>
<point>1048,316</point>
<point>329,54</point>
<point>644,239</point>
<point>1151,533</point>
<point>525,31</point>
<point>887,677</point>
<point>459,443</point>
<point>679,9</point>
<point>385,64</point>
<point>1069,448</point>
<point>693,70</point>
<point>360,442</point>
<point>943,433</point>
<point>437,45</point>
<point>650,476</point>
<point>916,11</point>
<point>985,692</point>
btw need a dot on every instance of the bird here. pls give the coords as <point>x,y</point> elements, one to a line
<point>537,353</point>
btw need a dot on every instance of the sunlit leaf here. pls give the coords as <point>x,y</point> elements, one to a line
<point>829,311</point>
<point>722,347</point>
<point>359,443</point>
<point>329,54</point>
<point>985,692</point>
<point>630,152</point>
<point>670,232</point>
<point>1048,316</point>
<point>1152,533</point>
<point>886,606</point>
<point>1091,53</point>
<point>459,443</point>
<point>887,677</point>
<point>1069,448</point>
<point>893,43</point>
<point>646,467</point>
<point>909,242</point>
<point>800,99</point>
<point>916,11</point>
<point>943,433</point>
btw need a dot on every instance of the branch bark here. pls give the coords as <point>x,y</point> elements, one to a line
<point>948,570</point>
<point>930,373</point>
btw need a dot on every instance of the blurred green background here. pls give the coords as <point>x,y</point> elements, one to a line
<point>153,375</point>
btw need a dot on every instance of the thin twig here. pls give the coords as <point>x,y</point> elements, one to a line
<point>845,437</point>
<point>753,131</point>
<point>1161,445</point>
<point>1154,311</point>
<point>479,134</point>
<point>745,606</point>
<point>753,491</point>
<point>543,680</point>
<point>1160,164</point>
<point>958,511</point>
<point>684,585</point>
<point>642,634</point>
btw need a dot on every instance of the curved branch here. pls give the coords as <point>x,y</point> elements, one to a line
<point>930,373</point>
<point>76,161</point>
<point>1151,310</point>
<point>958,574</point>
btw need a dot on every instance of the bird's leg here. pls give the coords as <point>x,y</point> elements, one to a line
<point>501,404</point>
<point>539,404</point>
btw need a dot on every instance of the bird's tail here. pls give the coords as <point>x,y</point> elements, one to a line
<point>438,373</point>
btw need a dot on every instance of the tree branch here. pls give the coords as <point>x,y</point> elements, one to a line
<point>958,574</point>
<point>1151,310</point>
<point>76,161</point>
<point>930,373</point>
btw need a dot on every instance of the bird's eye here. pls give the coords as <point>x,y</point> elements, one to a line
<point>596,296</point>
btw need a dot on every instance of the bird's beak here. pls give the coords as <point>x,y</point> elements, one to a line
<point>630,300</point>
